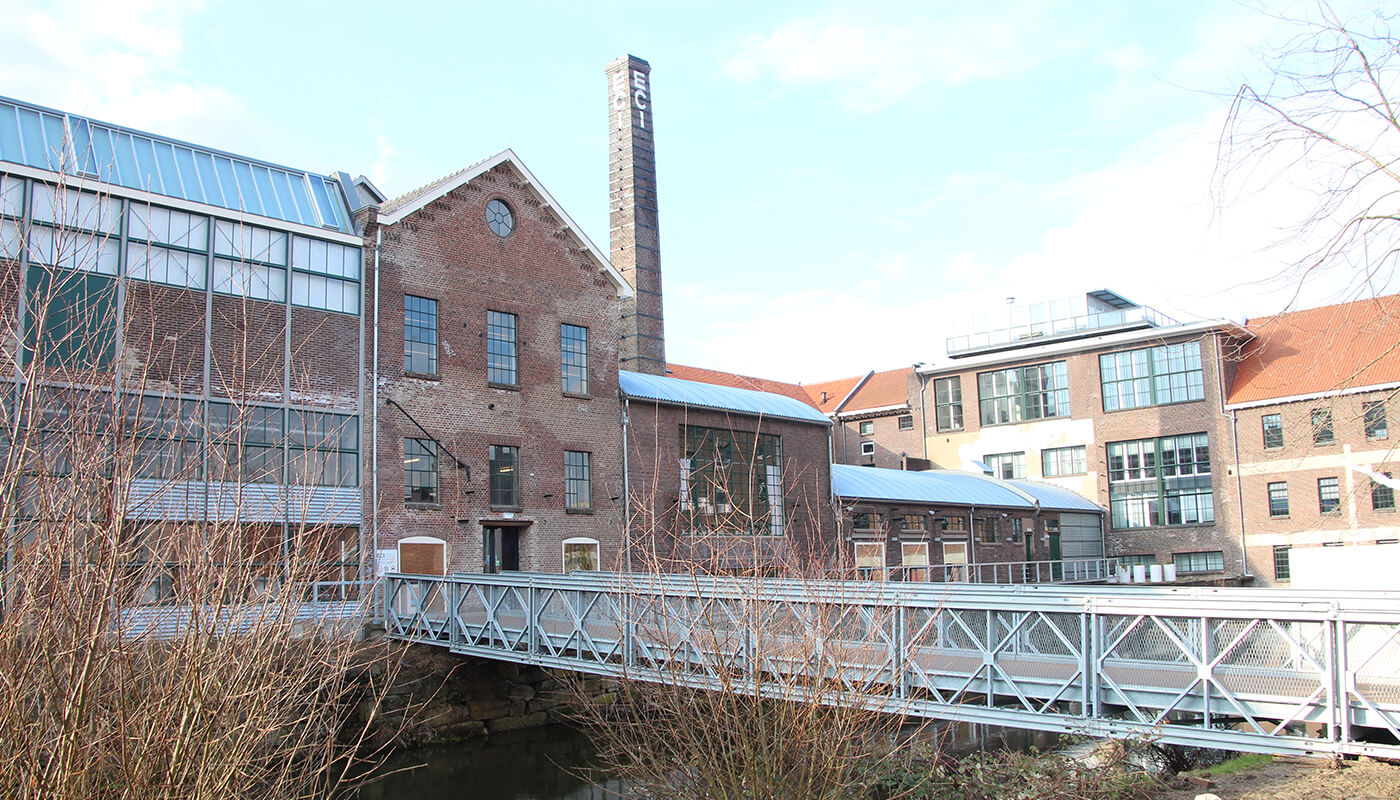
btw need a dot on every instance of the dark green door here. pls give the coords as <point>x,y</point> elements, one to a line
<point>1055,570</point>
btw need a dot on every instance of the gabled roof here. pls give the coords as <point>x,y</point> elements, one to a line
<point>55,141</point>
<point>850,482</point>
<point>881,390</point>
<point>836,392</point>
<point>392,211</point>
<point>675,391</point>
<point>1320,351</point>
<point>702,375</point>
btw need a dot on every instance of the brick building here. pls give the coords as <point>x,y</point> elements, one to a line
<point>1310,401</point>
<point>901,522</point>
<point>876,417</point>
<point>1112,401</point>
<point>725,478</point>
<point>497,415</point>
<point>215,299</point>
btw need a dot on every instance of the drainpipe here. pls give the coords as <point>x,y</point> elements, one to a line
<point>626,495</point>
<point>374,414</point>
<point>923,412</point>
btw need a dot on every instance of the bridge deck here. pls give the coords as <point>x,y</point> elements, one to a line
<point>1245,669</point>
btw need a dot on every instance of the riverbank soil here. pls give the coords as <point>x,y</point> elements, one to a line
<point>1297,779</point>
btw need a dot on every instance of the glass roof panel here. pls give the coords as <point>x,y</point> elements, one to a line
<point>10,149</point>
<point>148,174</point>
<point>33,133</point>
<point>247,192</point>
<point>189,176</point>
<point>323,202</point>
<point>169,175</point>
<point>266,194</point>
<point>37,137</point>
<point>208,180</point>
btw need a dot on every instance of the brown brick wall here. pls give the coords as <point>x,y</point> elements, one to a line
<point>446,252</point>
<point>1299,463</point>
<point>325,360</point>
<point>1086,404</point>
<point>654,453</point>
<point>247,349</point>
<point>892,445</point>
<point>163,338</point>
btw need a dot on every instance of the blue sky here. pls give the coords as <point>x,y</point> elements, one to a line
<point>840,184</point>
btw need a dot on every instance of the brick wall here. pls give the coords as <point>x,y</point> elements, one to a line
<point>540,273</point>
<point>890,445</point>
<point>654,452</point>
<point>1299,464</point>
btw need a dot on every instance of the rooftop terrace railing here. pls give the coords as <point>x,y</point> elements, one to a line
<point>1052,329</point>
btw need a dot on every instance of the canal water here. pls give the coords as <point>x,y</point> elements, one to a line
<point>557,763</point>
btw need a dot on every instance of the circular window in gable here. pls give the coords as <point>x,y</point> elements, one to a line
<point>500,218</point>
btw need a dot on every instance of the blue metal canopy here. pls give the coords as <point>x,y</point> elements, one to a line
<point>86,149</point>
<point>676,391</point>
<point>952,488</point>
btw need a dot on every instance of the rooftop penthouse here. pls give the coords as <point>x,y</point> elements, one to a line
<point>1023,325</point>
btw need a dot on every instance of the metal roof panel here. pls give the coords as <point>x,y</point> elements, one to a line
<point>708,395</point>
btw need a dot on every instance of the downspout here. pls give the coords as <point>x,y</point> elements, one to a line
<point>626,494</point>
<point>1235,445</point>
<point>374,414</point>
<point>923,412</point>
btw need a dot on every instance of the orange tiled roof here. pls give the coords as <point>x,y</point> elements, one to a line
<point>1320,350</point>
<point>712,376</point>
<point>827,395</point>
<point>882,390</point>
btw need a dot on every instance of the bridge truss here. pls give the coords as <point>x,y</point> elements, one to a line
<point>1245,669</point>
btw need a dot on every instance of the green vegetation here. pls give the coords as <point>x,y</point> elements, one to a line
<point>1241,763</point>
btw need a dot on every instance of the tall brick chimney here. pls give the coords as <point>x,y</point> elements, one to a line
<point>635,231</point>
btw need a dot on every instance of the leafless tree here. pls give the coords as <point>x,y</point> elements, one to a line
<point>146,652</point>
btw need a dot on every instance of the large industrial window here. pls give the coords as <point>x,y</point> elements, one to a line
<point>245,443</point>
<point>1152,376</point>
<point>74,230</point>
<point>1162,481</point>
<point>1278,499</point>
<point>1273,430</point>
<point>867,521</point>
<point>168,433</point>
<point>1281,559</point>
<point>578,480</point>
<point>325,275</point>
<point>323,449</point>
<point>912,522</point>
<point>500,348</point>
<point>1382,496</point>
<point>1007,466</point>
<point>947,400</point>
<point>573,357</point>
<point>1322,426</point>
<point>167,246</point>
<point>1058,461</point>
<point>420,330</point>
<point>71,319</point>
<point>505,476</point>
<point>1376,424</point>
<point>420,472</point>
<point>731,481</point>
<point>1023,394</point>
<point>250,261</point>
<point>1205,561</point>
<point>1329,496</point>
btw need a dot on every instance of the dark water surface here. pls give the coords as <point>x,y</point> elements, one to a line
<point>558,763</point>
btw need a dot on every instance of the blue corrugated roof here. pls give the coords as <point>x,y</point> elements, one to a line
<point>957,488</point>
<point>724,398</point>
<point>60,142</point>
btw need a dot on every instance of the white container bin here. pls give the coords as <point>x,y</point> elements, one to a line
<point>1169,572</point>
<point>1139,573</point>
<point>1156,573</point>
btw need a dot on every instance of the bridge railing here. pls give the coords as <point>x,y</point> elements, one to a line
<point>1263,670</point>
<point>1079,570</point>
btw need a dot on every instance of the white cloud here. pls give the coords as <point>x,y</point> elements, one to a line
<point>874,57</point>
<point>119,62</point>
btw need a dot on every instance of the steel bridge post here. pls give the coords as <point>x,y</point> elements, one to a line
<point>456,636</point>
<point>1338,684</point>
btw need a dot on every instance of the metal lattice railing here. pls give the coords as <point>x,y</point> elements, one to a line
<point>1246,669</point>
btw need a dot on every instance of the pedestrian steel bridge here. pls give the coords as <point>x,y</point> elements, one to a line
<point>1246,669</point>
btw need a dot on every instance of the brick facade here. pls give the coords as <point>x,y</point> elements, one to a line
<point>654,448</point>
<point>445,251</point>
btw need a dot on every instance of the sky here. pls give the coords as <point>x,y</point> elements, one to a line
<point>841,185</point>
